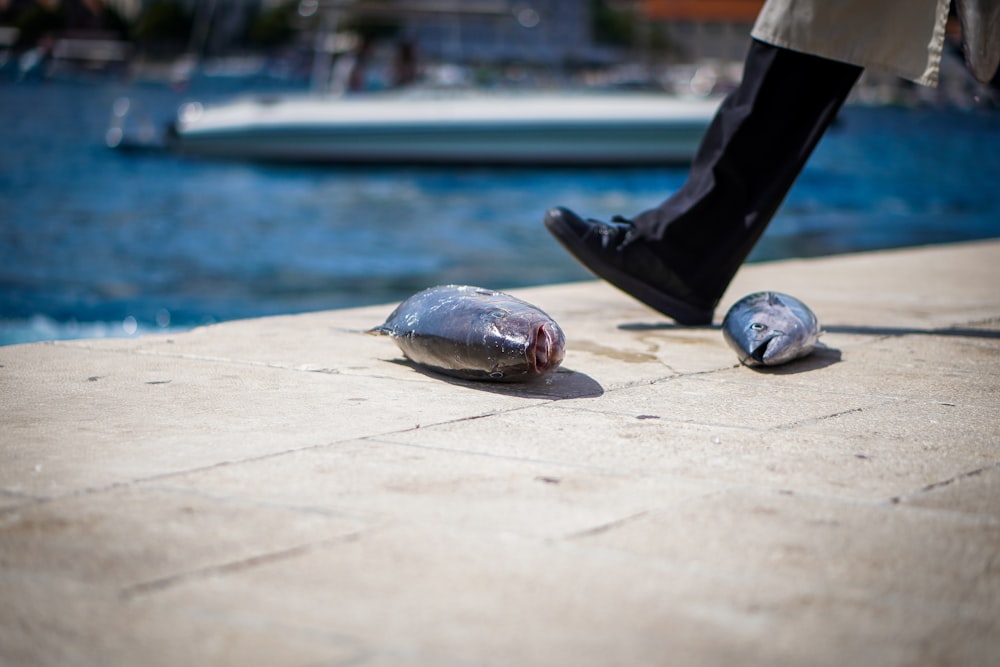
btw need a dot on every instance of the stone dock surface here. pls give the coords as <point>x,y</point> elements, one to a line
<point>288,491</point>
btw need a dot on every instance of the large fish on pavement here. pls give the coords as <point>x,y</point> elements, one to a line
<point>770,328</point>
<point>475,334</point>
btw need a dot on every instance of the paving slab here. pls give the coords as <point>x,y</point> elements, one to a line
<point>291,491</point>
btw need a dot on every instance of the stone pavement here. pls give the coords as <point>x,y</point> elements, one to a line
<point>287,491</point>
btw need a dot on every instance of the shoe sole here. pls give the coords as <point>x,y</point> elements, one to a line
<point>680,311</point>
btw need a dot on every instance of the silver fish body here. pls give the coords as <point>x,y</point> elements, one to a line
<point>770,328</point>
<point>475,334</point>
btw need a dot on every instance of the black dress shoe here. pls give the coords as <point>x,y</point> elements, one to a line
<point>608,251</point>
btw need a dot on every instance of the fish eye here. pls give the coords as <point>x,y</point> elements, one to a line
<point>496,314</point>
<point>757,326</point>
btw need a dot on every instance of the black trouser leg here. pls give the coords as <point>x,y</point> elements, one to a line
<point>750,156</point>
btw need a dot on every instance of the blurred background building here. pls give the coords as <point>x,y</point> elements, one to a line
<point>686,46</point>
<point>542,32</point>
<point>697,30</point>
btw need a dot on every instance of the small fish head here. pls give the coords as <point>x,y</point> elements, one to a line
<point>767,329</point>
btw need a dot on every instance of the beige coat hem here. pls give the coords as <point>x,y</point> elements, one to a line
<point>900,37</point>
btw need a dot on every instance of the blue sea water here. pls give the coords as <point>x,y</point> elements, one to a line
<point>95,242</point>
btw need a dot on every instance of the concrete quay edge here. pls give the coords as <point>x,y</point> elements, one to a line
<point>288,491</point>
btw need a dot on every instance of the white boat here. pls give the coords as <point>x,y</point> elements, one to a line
<point>421,127</point>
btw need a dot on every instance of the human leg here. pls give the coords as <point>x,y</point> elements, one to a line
<point>751,155</point>
<point>687,250</point>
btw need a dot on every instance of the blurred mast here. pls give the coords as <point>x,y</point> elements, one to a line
<point>204,13</point>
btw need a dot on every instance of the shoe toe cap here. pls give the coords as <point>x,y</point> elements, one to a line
<point>561,217</point>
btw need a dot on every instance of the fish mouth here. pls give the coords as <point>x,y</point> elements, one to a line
<point>547,349</point>
<point>760,353</point>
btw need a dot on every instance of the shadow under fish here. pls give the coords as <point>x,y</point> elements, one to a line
<point>475,334</point>
<point>770,328</point>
